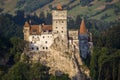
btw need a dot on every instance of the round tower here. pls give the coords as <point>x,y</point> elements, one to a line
<point>83,40</point>
<point>26,31</point>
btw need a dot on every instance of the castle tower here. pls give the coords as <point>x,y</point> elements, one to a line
<point>26,31</point>
<point>59,17</point>
<point>83,40</point>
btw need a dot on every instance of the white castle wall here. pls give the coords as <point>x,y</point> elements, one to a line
<point>40,42</point>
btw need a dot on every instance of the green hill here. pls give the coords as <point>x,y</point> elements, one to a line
<point>106,10</point>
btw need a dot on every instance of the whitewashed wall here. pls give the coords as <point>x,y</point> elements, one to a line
<point>40,42</point>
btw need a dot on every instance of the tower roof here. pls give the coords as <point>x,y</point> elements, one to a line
<point>59,7</point>
<point>83,29</point>
<point>27,24</point>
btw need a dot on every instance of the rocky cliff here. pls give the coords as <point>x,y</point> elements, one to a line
<point>60,59</point>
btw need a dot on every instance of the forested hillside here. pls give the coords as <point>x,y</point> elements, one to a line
<point>102,18</point>
<point>106,10</point>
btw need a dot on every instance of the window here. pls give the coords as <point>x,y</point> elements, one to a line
<point>56,21</point>
<point>43,36</point>
<point>62,31</point>
<point>56,27</point>
<point>32,36</point>
<point>46,42</point>
<point>32,48</point>
<point>57,31</point>
<point>43,48</point>
<point>62,27</point>
<point>31,42</point>
<point>46,47</point>
<point>37,48</point>
<point>62,21</point>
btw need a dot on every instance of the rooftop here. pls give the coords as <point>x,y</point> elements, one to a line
<point>83,29</point>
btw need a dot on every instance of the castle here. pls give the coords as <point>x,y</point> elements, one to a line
<point>41,37</point>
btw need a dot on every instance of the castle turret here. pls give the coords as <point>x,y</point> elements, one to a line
<point>60,23</point>
<point>83,40</point>
<point>26,31</point>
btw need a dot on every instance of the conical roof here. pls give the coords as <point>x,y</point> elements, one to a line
<point>83,29</point>
<point>27,24</point>
<point>59,7</point>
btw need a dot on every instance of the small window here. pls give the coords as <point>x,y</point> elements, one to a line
<point>57,31</point>
<point>46,47</point>
<point>62,31</point>
<point>56,21</point>
<point>62,27</point>
<point>37,48</point>
<point>31,42</point>
<point>32,36</point>
<point>43,36</point>
<point>32,48</point>
<point>43,48</point>
<point>46,42</point>
<point>56,27</point>
<point>62,21</point>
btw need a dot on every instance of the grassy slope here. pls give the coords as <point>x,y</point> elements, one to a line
<point>10,6</point>
<point>89,11</point>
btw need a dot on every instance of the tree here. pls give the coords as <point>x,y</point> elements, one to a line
<point>18,72</point>
<point>38,72</point>
<point>62,77</point>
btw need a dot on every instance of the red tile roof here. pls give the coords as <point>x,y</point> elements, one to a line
<point>47,27</point>
<point>35,30</point>
<point>59,7</point>
<point>27,24</point>
<point>83,29</point>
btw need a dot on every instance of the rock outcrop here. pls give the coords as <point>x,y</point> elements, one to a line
<point>60,59</point>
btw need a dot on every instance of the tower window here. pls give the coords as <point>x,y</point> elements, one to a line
<point>46,47</point>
